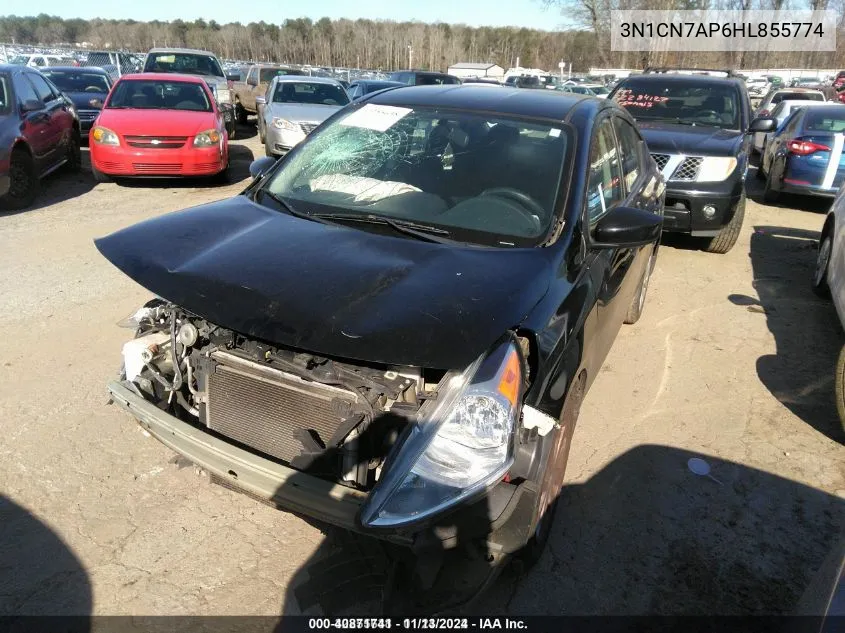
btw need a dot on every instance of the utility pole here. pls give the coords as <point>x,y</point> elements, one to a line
<point>410,57</point>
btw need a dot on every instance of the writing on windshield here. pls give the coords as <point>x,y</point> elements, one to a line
<point>627,98</point>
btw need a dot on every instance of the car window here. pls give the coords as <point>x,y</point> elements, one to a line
<point>190,63</point>
<point>251,75</point>
<point>605,184</point>
<point>824,120</point>
<point>483,178</point>
<point>5,95</point>
<point>42,88</point>
<point>159,94</point>
<point>630,148</point>
<point>355,90</point>
<point>39,61</point>
<point>266,74</point>
<point>78,80</point>
<point>310,92</point>
<point>692,101</point>
<point>24,90</point>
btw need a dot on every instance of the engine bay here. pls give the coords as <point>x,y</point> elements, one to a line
<point>331,418</point>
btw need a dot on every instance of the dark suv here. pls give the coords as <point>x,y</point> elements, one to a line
<point>697,130</point>
<point>39,132</point>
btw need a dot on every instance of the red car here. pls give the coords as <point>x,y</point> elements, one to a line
<point>839,80</point>
<point>159,124</point>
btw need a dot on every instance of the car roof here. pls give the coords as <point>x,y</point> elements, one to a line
<point>545,104</point>
<point>679,78</point>
<point>180,50</point>
<point>87,69</point>
<point>830,108</point>
<point>795,89</point>
<point>305,79</point>
<point>191,79</point>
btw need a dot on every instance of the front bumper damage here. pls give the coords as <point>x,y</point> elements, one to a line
<point>500,520</point>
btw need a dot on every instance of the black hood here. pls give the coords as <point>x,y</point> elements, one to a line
<point>668,138</point>
<point>82,100</point>
<point>332,290</point>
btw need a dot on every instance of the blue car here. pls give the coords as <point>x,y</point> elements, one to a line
<point>805,155</point>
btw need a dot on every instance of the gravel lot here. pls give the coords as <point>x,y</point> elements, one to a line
<point>733,360</point>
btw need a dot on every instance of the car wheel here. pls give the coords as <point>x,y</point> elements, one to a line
<point>635,310</point>
<point>820,286</point>
<point>99,176</point>
<point>552,479</point>
<point>23,185</point>
<point>727,236</point>
<point>222,176</point>
<point>770,195</point>
<point>241,114</point>
<point>840,385</point>
<point>74,152</point>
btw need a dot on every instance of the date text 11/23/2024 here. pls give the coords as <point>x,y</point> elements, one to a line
<point>416,624</point>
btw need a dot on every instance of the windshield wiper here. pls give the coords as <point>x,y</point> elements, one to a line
<point>290,210</point>
<point>422,232</point>
<point>680,121</point>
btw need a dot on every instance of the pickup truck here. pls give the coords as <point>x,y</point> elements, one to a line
<point>252,82</point>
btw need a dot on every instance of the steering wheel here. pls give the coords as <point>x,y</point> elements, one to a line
<point>529,208</point>
<point>707,114</point>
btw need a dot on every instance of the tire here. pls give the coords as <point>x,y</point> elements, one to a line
<point>241,114</point>
<point>820,286</point>
<point>232,130</point>
<point>770,195</point>
<point>840,385</point>
<point>635,310</point>
<point>74,153</point>
<point>99,176</point>
<point>222,176</point>
<point>761,174</point>
<point>725,239</point>
<point>23,187</point>
<point>552,481</point>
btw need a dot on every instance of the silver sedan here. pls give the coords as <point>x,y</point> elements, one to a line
<point>293,106</point>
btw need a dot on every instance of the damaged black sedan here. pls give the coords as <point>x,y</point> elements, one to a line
<point>393,327</point>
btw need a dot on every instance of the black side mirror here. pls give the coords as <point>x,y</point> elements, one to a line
<point>258,168</point>
<point>763,124</point>
<point>626,227</point>
<point>234,77</point>
<point>31,105</point>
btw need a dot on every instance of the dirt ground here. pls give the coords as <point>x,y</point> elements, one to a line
<point>732,361</point>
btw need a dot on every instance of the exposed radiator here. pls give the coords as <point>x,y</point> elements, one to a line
<point>261,407</point>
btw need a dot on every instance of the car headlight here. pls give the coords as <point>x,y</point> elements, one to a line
<point>104,136</point>
<point>716,168</point>
<point>460,444</point>
<point>209,138</point>
<point>284,124</point>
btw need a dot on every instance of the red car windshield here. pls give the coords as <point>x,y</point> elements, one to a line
<point>159,94</point>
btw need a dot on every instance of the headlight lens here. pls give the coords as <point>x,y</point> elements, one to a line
<point>104,136</point>
<point>459,446</point>
<point>716,168</point>
<point>209,138</point>
<point>284,124</point>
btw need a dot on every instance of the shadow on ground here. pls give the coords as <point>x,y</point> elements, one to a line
<point>642,536</point>
<point>39,575</point>
<point>806,330</point>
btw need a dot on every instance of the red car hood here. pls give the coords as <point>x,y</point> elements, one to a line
<point>146,122</point>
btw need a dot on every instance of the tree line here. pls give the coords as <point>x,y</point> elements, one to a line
<point>389,45</point>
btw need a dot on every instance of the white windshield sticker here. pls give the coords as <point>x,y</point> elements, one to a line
<point>554,132</point>
<point>376,117</point>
